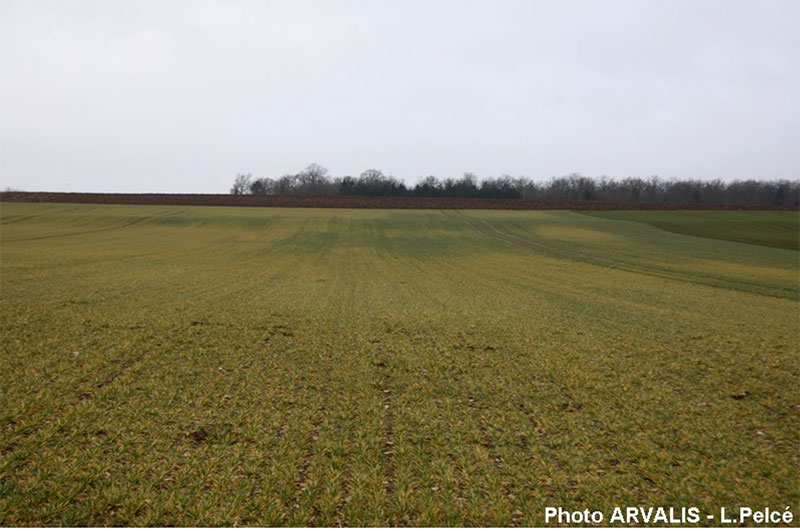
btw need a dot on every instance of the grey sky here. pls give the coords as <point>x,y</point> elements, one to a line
<point>175,96</point>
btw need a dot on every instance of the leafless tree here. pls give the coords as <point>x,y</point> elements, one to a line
<point>241,184</point>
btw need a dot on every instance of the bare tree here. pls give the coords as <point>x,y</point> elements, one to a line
<point>315,180</point>
<point>312,180</point>
<point>241,184</point>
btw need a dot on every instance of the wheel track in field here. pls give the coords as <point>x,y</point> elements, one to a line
<point>387,453</point>
<point>458,472</point>
<point>3,223</point>
<point>485,437</point>
<point>310,443</point>
<point>569,406</point>
<point>476,411</point>
<point>300,483</point>
<point>138,221</point>
<point>576,256</point>
<point>345,485</point>
<point>385,388</point>
<point>124,364</point>
<point>344,494</point>
<point>557,463</point>
<point>386,394</point>
<point>486,441</point>
<point>318,419</point>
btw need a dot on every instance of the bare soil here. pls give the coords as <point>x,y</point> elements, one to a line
<point>437,203</point>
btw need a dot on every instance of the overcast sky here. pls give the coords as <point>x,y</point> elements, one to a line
<point>179,96</point>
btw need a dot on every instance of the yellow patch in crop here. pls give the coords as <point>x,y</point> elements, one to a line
<point>747,270</point>
<point>577,234</point>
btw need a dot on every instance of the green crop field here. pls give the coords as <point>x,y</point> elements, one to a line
<point>166,365</point>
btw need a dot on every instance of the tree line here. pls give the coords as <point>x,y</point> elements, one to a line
<point>316,181</point>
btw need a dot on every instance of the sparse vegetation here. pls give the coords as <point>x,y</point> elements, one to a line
<point>177,365</point>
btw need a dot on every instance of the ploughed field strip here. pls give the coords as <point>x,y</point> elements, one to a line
<point>179,365</point>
